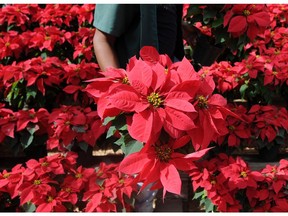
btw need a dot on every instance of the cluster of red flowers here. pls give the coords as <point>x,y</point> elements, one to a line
<point>47,73</point>
<point>227,181</point>
<point>263,123</point>
<point>50,31</point>
<point>166,106</point>
<point>56,184</point>
<point>73,123</point>
<point>63,125</point>
<point>157,95</point>
<point>12,122</point>
<point>267,56</point>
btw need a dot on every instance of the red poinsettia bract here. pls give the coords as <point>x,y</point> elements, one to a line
<point>159,164</point>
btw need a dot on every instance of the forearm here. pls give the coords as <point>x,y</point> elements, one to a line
<point>104,50</point>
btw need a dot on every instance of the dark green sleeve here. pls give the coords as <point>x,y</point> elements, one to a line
<point>114,19</point>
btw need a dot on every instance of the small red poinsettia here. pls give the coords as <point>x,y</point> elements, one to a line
<point>10,44</point>
<point>159,163</point>
<point>31,116</point>
<point>250,18</point>
<point>240,176</point>
<point>212,112</point>
<point>50,202</point>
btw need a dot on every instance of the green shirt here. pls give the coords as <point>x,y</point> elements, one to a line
<point>134,26</point>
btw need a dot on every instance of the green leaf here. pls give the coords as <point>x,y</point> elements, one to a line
<point>217,22</point>
<point>43,55</point>
<point>32,128</point>
<point>120,141</point>
<point>108,119</point>
<point>111,131</point>
<point>79,129</point>
<point>29,207</point>
<point>31,92</point>
<point>208,13</point>
<point>197,195</point>
<point>100,181</point>
<point>132,146</point>
<point>11,93</point>
<point>10,27</point>
<point>26,139</point>
<point>128,145</point>
<point>209,207</point>
<point>193,10</point>
<point>120,123</point>
<point>243,89</point>
<point>122,127</point>
<point>84,146</point>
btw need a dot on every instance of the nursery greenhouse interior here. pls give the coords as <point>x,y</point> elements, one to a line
<point>144,108</point>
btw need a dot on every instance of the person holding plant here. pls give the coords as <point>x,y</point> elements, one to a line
<point>122,29</point>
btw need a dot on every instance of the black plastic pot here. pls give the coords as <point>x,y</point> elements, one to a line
<point>269,154</point>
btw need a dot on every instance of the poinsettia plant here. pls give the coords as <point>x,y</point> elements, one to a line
<point>165,116</point>
<point>228,26</point>
<point>57,184</point>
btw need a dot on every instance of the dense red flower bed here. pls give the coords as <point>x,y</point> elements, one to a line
<point>164,115</point>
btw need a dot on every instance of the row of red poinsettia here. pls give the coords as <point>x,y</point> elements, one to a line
<point>166,106</point>
<point>29,27</point>
<point>55,183</point>
<point>199,110</point>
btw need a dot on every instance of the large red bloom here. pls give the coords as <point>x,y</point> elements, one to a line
<point>155,100</point>
<point>159,163</point>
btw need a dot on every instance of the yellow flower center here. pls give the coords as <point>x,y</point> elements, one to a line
<point>163,152</point>
<point>7,44</point>
<point>274,73</point>
<point>45,164</point>
<point>277,52</point>
<point>231,128</point>
<point>47,38</point>
<point>166,71</point>
<point>100,173</point>
<point>125,80</point>
<point>32,115</point>
<point>121,181</point>
<point>78,175</point>
<point>248,66</point>
<point>243,174</point>
<point>68,190</point>
<point>202,102</point>
<point>155,99</point>
<point>213,182</point>
<point>50,199</point>
<point>37,182</point>
<point>6,175</point>
<point>246,12</point>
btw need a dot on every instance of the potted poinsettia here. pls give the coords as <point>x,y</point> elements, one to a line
<point>224,30</point>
